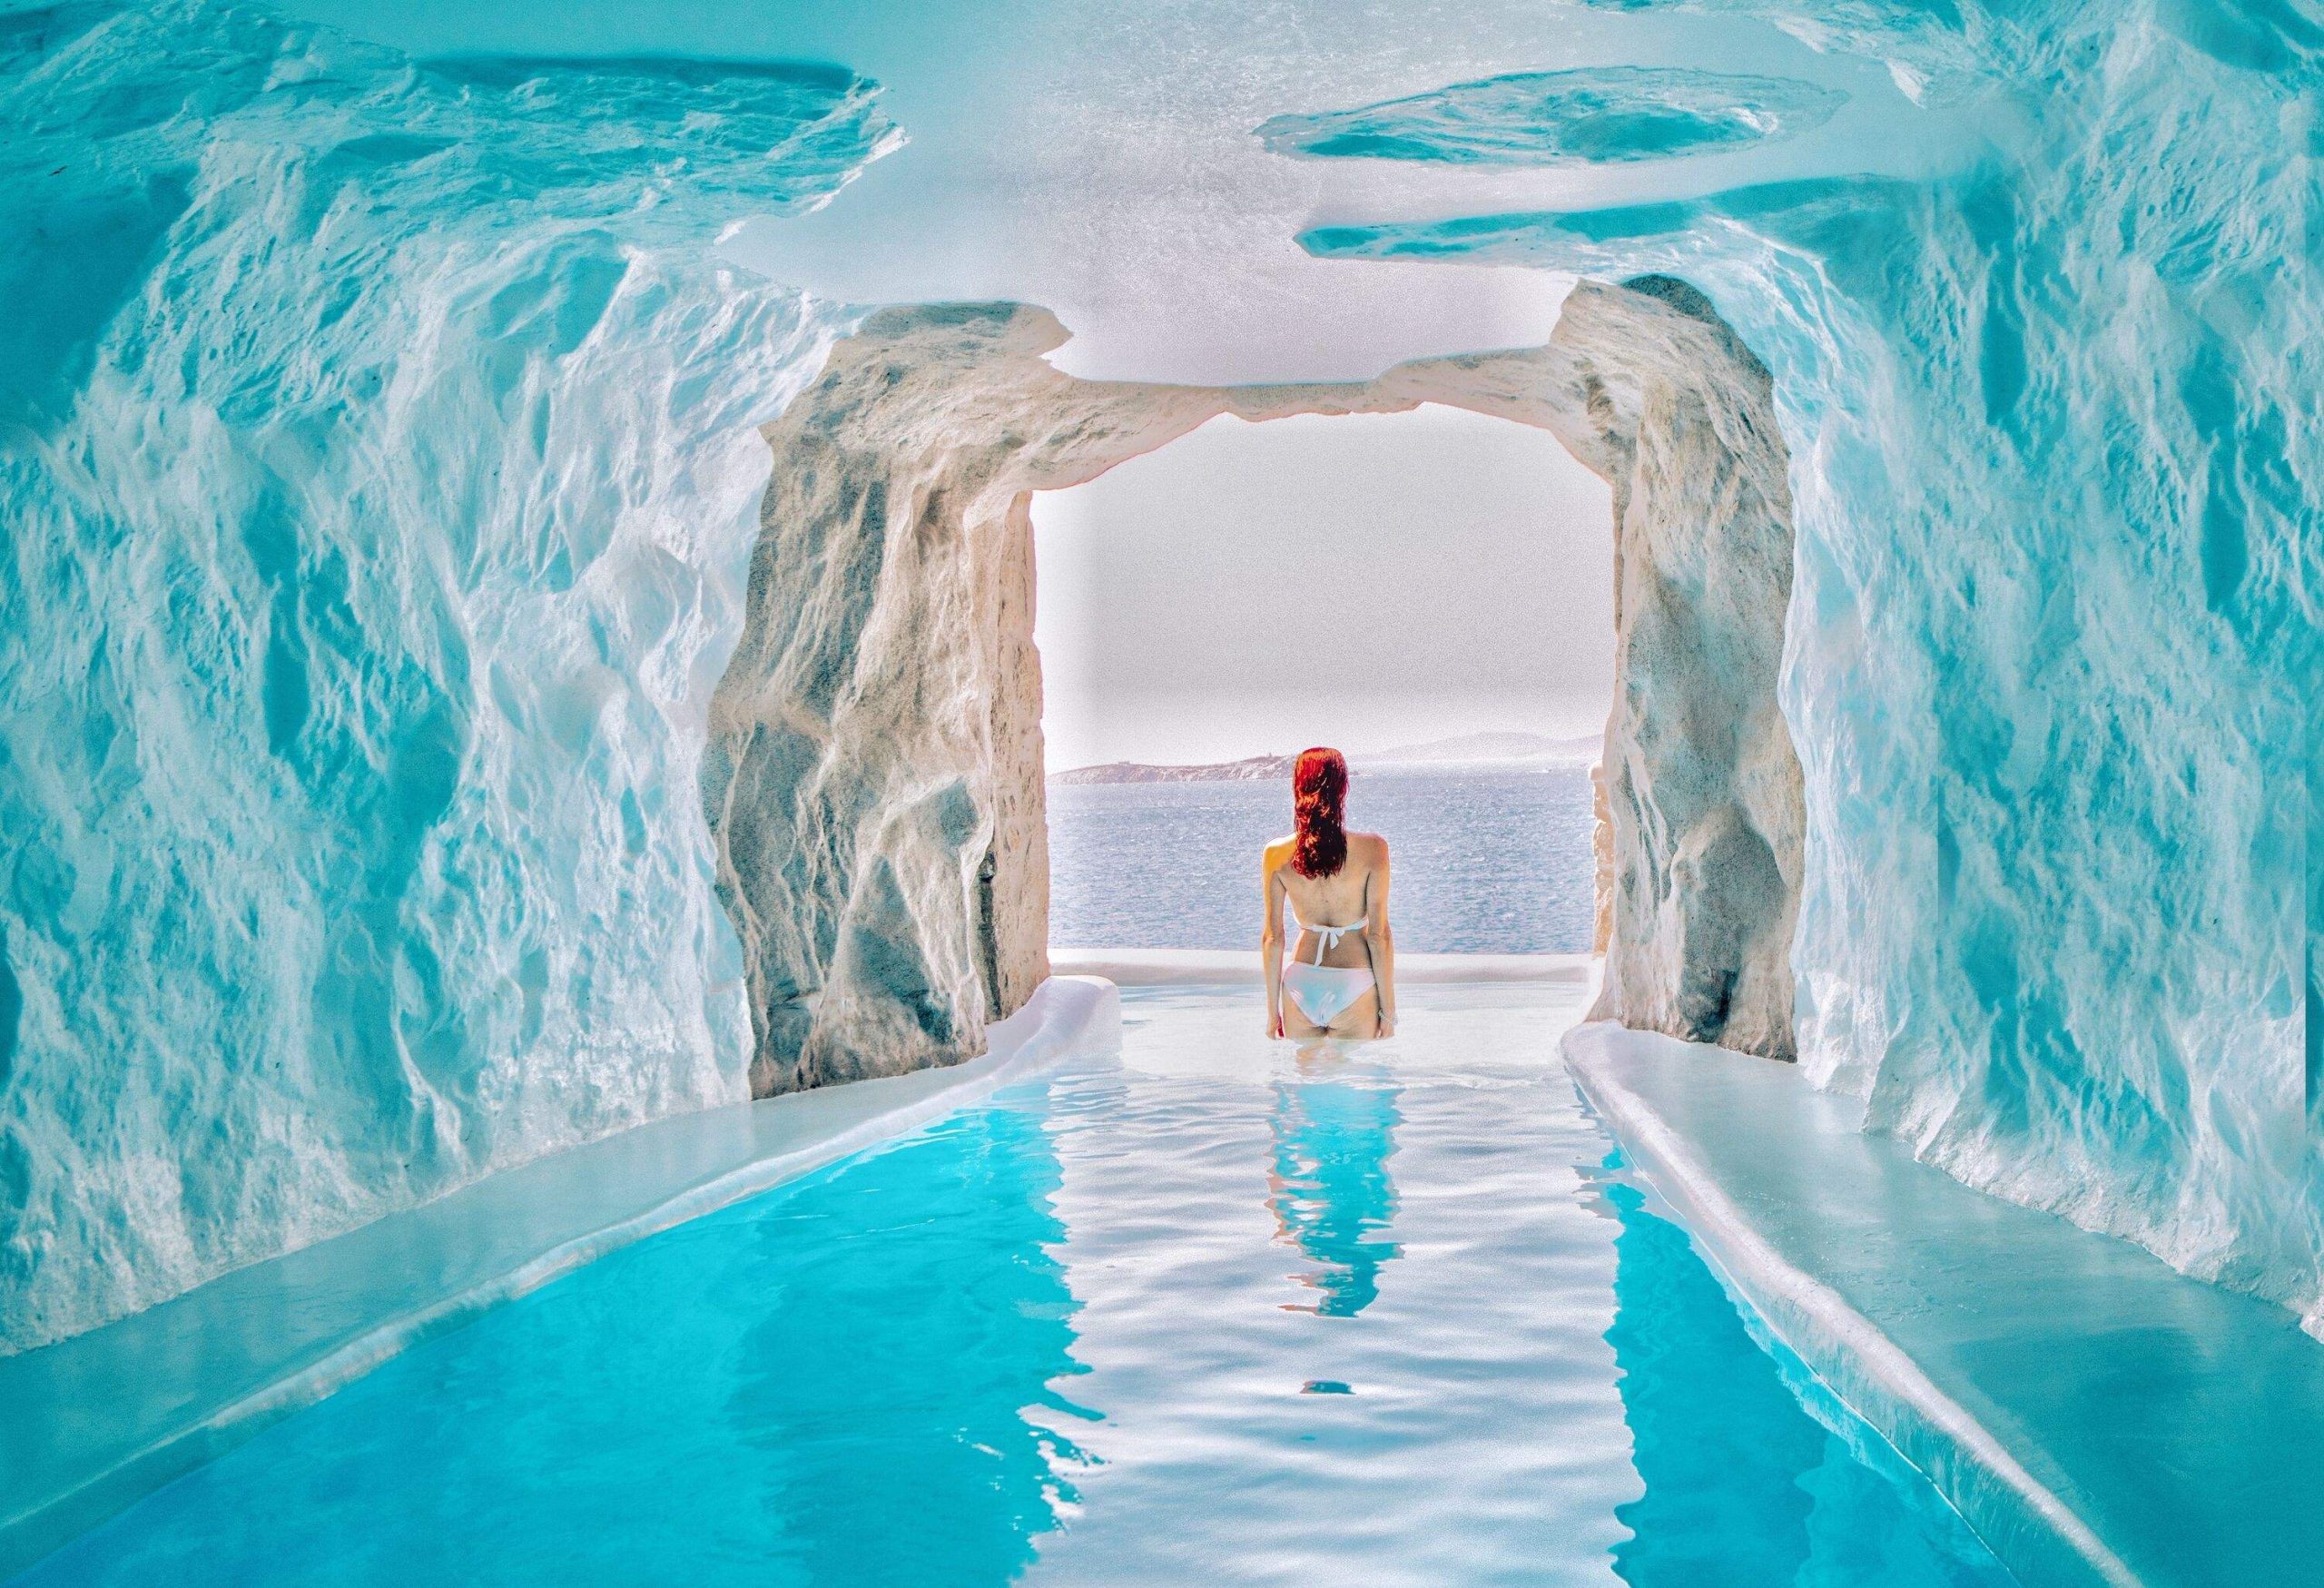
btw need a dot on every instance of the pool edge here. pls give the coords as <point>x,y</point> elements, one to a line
<point>2035,1534</point>
<point>1068,1016</point>
<point>1145,967</point>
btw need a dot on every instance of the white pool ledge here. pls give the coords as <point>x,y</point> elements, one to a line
<point>1232,967</point>
<point>90,1425</point>
<point>2097,1418</point>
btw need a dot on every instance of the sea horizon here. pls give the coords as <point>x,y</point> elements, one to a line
<point>1485,861</point>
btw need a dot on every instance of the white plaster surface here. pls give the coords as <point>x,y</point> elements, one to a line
<point>2098,1417</point>
<point>1216,967</point>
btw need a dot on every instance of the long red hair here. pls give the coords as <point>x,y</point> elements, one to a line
<point>1319,809</point>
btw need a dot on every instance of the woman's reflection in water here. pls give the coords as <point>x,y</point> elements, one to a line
<point>1335,1130</point>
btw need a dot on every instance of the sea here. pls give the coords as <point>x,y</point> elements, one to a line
<point>1485,861</point>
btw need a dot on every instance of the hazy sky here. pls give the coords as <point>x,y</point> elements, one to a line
<point>1363,581</point>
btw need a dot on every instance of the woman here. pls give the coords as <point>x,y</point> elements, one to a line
<point>1342,980</point>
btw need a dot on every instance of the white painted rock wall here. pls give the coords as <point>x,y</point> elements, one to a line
<point>375,442</point>
<point>873,782</point>
<point>2059,628</point>
<point>1702,786</point>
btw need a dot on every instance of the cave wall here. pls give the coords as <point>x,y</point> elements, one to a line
<point>873,783</point>
<point>376,442</point>
<point>375,438</point>
<point>2058,616</point>
<point>379,455</point>
<point>1702,796</point>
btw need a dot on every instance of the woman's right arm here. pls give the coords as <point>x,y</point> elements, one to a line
<point>1271,940</point>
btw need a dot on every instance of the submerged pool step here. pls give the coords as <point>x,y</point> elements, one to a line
<point>2098,1417</point>
<point>91,1423</point>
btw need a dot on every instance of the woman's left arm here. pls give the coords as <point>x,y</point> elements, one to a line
<point>1381,942</point>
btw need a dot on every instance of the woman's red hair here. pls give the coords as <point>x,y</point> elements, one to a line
<point>1319,807</point>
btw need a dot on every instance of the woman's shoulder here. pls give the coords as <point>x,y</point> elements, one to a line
<point>1278,851</point>
<point>1369,845</point>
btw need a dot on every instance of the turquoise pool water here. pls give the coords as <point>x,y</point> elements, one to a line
<point>1211,1310</point>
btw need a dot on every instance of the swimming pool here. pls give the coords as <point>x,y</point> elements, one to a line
<point>1209,1310</point>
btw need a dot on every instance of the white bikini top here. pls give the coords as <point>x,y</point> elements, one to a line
<point>1329,937</point>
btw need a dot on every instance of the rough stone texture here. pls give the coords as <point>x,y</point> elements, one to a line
<point>1702,786</point>
<point>873,779</point>
<point>1588,116</point>
<point>2059,622</point>
<point>1602,863</point>
<point>375,442</point>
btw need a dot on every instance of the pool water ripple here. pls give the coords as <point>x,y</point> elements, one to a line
<point>1215,1310</point>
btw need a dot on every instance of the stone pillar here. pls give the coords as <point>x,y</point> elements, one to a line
<point>1702,786</point>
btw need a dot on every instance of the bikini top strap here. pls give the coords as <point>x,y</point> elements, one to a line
<point>1329,937</point>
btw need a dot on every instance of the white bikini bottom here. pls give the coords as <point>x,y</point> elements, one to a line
<point>1322,992</point>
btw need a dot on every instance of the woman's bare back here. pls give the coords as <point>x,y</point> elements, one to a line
<point>1341,899</point>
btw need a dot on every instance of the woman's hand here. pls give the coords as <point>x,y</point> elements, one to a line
<point>1274,1022</point>
<point>1383,1024</point>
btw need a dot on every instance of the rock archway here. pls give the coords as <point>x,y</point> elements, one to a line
<point>873,779</point>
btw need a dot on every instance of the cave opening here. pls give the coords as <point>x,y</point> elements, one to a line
<point>874,780</point>
<point>1431,591</point>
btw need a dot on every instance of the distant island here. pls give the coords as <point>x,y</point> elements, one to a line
<point>1499,750</point>
<point>1251,769</point>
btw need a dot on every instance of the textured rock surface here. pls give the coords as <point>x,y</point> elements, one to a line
<point>1601,862</point>
<point>378,512</point>
<point>1702,787</point>
<point>2053,651</point>
<point>874,779</point>
<point>1579,117</point>
<point>873,782</point>
<point>377,464</point>
<point>378,477</point>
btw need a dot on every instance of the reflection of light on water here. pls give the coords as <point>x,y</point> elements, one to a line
<point>1329,1186</point>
